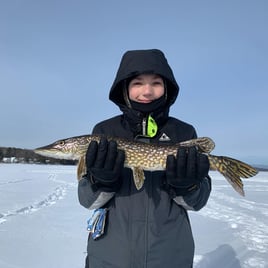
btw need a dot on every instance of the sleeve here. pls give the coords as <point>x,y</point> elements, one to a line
<point>197,199</point>
<point>90,199</point>
<point>87,197</point>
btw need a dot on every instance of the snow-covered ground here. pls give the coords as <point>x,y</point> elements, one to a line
<point>42,224</point>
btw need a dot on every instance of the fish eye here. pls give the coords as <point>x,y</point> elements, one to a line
<point>61,143</point>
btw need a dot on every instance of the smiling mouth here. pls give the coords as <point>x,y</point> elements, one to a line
<point>145,101</point>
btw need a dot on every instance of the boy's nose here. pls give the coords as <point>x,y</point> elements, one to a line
<point>147,89</point>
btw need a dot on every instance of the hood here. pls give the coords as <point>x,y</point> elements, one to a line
<point>136,62</point>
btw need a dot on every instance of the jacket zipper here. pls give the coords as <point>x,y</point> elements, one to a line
<point>144,132</point>
<point>147,215</point>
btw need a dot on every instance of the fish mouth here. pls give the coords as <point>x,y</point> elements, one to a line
<point>54,153</point>
<point>47,153</point>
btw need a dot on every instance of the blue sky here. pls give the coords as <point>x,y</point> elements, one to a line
<point>58,60</point>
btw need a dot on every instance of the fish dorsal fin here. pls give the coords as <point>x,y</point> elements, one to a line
<point>204,144</point>
<point>81,168</point>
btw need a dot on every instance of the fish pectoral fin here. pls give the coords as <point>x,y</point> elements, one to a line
<point>81,168</point>
<point>138,176</point>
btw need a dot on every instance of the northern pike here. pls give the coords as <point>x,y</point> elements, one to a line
<point>141,156</point>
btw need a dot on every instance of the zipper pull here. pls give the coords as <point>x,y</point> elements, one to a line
<point>144,123</point>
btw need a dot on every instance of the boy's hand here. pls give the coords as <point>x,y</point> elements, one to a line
<point>185,172</point>
<point>104,165</point>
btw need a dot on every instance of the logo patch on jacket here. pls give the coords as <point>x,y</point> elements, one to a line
<point>164,137</point>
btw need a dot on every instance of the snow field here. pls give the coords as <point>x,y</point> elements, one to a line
<point>42,223</point>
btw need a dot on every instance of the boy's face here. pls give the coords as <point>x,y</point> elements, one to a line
<point>146,88</point>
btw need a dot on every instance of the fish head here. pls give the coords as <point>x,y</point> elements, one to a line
<point>69,149</point>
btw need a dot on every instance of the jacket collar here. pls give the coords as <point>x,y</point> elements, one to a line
<point>135,120</point>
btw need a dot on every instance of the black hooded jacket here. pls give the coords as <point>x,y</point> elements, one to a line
<point>146,227</point>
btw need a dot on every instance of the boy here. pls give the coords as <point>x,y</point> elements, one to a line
<point>148,227</point>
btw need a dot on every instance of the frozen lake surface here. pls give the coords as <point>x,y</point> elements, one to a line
<point>42,224</point>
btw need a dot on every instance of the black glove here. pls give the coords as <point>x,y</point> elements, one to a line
<point>184,173</point>
<point>104,164</point>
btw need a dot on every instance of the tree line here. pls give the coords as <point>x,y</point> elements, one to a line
<point>17,155</point>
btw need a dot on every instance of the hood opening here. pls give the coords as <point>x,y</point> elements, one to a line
<point>136,62</point>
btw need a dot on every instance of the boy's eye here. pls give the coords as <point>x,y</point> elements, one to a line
<point>137,83</point>
<point>157,83</point>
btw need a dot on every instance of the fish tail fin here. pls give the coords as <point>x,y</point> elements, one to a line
<point>233,170</point>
